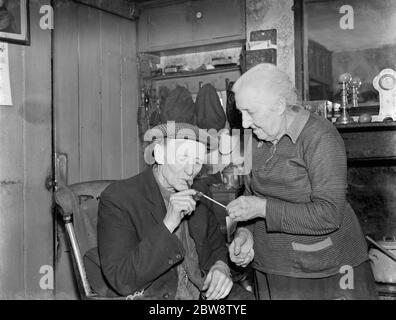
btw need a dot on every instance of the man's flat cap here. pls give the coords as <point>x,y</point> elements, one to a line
<point>177,130</point>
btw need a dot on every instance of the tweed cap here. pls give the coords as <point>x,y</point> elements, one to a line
<point>177,130</point>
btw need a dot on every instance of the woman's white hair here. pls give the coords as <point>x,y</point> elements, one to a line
<point>265,79</point>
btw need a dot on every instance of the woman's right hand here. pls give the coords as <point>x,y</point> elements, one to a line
<point>247,208</point>
<point>241,248</point>
<point>180,205</point>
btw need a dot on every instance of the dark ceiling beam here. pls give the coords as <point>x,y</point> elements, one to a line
<point>122,8</point>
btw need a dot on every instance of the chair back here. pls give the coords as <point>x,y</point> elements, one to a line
<point>79,208</point>
<point>85,218</point>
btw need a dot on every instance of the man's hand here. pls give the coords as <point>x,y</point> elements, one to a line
<point>247,208</point>
<point>180,205</point>
<point>241,249</point>
<point>218,282</point>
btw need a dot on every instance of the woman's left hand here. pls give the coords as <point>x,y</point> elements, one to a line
<point>247,208</point>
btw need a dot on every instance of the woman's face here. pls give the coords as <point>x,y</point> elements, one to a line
<point>260,113</point>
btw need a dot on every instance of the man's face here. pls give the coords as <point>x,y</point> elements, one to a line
<point>259,113</point>
<point>183,161</point>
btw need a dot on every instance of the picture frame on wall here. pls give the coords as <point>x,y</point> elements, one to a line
<point>14,21</point>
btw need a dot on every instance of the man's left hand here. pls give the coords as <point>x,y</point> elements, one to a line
<point>218,282</point>
<point>247,208</point>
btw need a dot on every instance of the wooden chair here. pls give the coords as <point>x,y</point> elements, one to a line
<point>78,205</point>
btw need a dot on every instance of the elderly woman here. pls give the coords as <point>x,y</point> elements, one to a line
<point>304,237</point>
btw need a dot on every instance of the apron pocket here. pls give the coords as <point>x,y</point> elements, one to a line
<point>316,257</point>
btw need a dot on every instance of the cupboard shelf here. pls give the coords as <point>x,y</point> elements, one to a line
<point>193,74</point>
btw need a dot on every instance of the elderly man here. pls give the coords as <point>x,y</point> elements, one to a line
<point>303,235</point>
<point>153,237</point>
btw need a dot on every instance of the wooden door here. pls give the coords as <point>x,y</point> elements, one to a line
<point>95,100</point>
<point>26,221</point>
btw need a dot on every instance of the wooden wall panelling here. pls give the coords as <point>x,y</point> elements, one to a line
<point>66,105</point>
<point>25,138</point>
<point>111,94</point>
<point>129,99</point>
<point>90,94</point>
<point>66,86</point>
<point>38,149</point>
<point>111,98</point>
<point>12,176</point>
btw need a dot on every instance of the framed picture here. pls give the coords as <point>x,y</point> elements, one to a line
<point>14,21</point>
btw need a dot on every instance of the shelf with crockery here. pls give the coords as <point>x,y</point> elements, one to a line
<point>371,109</point>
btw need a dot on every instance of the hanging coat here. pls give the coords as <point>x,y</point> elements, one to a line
<point>210,113</point>
<point>178,107</point>
<point>234,116</point>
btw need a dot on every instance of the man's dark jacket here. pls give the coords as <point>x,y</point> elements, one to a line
<point>137,251</point>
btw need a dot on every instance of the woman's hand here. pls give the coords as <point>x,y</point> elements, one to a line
<point>247,208</point>
<point>241,248</point>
